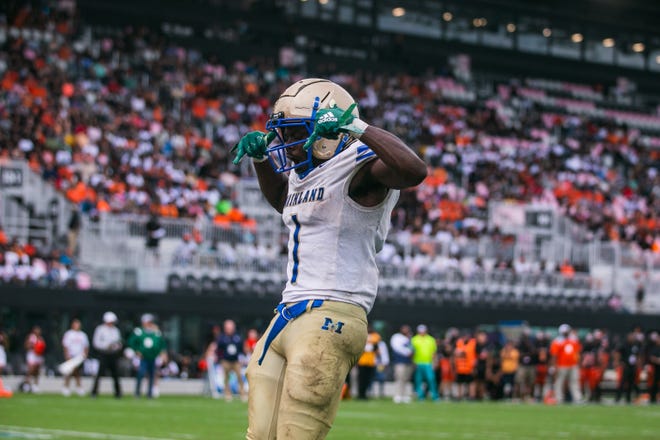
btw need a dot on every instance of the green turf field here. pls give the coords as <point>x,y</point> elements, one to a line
<point>189,418</point>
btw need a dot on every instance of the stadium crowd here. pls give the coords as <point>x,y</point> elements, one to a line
<point>129,122</point>
<point>31,264</point>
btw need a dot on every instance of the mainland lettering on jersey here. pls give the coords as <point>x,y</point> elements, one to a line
<point>325,223</point>
<point>310,195</point>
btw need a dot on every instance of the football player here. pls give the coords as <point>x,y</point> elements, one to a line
<point>335,180</point>
<point>75,344</point>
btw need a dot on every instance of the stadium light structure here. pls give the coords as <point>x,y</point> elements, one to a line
<point>398,12</point>
<point>638,47</point>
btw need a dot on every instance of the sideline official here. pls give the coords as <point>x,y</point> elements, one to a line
<point>107,342</point>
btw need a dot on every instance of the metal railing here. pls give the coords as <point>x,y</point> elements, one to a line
<point>37,196</point>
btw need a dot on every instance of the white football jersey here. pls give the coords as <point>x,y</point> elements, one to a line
<point>333,240</point>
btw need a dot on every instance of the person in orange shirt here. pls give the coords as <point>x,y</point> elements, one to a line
<point>565,358</point>
<point>465,356</point>
<point>3,237</point>
<point>367,363</point>
<point>250,342</point>
<point>567,269</point>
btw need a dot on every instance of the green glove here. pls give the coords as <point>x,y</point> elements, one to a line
<point>254,145</point>
<point>331,122</point>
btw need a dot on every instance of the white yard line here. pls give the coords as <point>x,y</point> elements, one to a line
<point>5,433</point>
<point>46,433</point>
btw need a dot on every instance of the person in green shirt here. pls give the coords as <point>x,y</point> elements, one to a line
<point>147,342</point>
<point>424,349</point>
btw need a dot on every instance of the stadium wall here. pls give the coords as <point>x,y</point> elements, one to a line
<point>22,307</point>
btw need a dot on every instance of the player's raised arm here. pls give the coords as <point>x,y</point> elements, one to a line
<point>397,166</point>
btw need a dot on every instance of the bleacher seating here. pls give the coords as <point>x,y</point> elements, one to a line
<point>119,145</point>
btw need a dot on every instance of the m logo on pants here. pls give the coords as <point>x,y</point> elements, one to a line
<point>331,326</point>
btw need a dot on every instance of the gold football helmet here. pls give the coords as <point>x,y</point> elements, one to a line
<point>297,107</point>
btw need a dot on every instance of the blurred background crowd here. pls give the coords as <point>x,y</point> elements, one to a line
<point>130,121</point>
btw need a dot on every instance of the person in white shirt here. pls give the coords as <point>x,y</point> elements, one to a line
<point>75,343</point>
<point>402,360</point>
<point>107,342</point>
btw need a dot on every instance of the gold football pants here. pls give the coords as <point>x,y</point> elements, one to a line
<point>295,392</point>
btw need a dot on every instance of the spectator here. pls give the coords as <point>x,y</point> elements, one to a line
<point>147,342</point>
<point>382,362</point>
<point>184,252</point>
<point>526,373</point>
<point>482,350</point>
<point>494,375</point>
<point>654,363</point>
<point>154,233</point>
<point>74,230</point>
<point>402,361</point>
<point>229,348</point>
<point>603,355</point>
<point>35,347</point>
<point>629,362</point>
<point>424,351</point>
<point>4,240</point>
<point>75,344</point>
<point>207,365</point>
<point>640,294</point>
<point>3,363</point>
<point>567,270</point>
<point>108,343</point>
<point>510,359</point>
<point>250,342</point>
<point>565,351</point>
<point>367,363</point>
<point>445,370</point>
<point>465,355</point>
<point>615,302</point>
<point>542,347</point>
<point>595,360</point>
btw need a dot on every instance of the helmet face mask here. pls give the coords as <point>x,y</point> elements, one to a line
<point>282,127</point>
<point>293,121</point>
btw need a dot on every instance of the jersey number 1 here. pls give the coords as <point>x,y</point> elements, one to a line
<point>296,244</point>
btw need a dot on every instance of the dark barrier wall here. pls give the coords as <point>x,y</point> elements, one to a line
<point>20,306</point>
